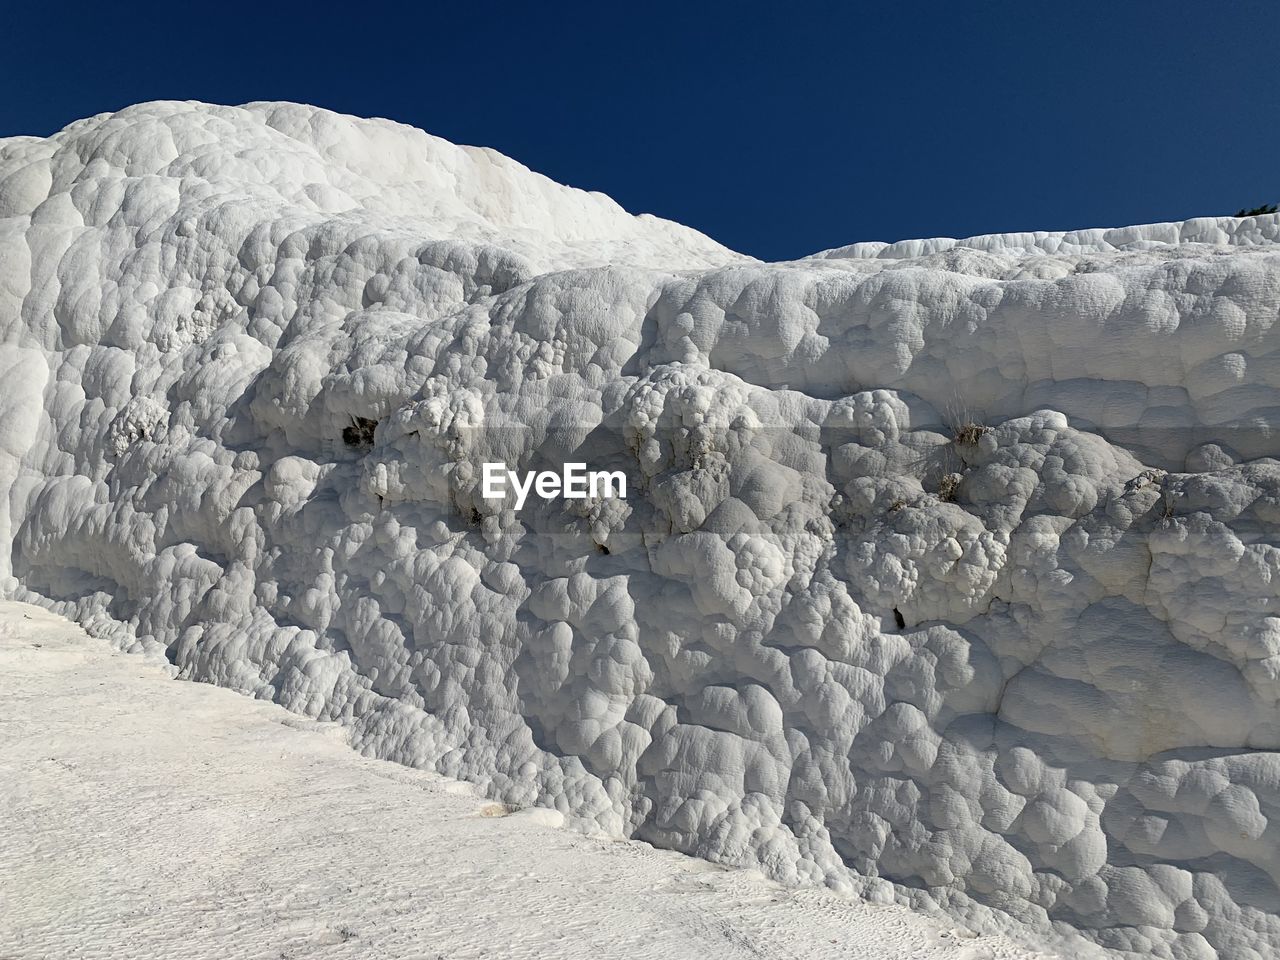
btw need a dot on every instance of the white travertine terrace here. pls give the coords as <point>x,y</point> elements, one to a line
<point>951,570</point>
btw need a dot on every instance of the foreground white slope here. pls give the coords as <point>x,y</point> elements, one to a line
<point>949,571</point>
<point>205,828</point>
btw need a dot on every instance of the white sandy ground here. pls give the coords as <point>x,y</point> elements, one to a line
<point>144,817</point>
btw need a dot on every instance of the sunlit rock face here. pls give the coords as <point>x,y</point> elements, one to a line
<point>948,570</point>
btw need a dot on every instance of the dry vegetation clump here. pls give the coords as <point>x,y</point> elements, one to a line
<point>969,432</point>
<point>949,487</point>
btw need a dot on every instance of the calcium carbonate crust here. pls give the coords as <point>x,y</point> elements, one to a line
<point>949,573</point>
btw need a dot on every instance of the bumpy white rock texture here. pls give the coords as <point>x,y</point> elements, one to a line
<point>950,570</point>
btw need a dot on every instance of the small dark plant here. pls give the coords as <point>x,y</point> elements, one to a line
<point>949,487</point>
<point>969,432</point>
<point>1259,211</point>
<point>360,433</point>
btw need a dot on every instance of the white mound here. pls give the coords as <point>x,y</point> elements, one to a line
<point>948,570</point>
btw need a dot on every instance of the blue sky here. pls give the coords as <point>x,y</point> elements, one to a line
<point>778,129</point>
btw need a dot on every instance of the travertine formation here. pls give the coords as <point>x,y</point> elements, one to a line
<point>949,570</point>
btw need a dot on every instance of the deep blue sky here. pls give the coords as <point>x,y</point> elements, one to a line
<point>778,129</point>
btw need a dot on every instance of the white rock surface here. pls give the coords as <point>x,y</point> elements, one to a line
<point>950,572</point>
<point>204,827</point>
